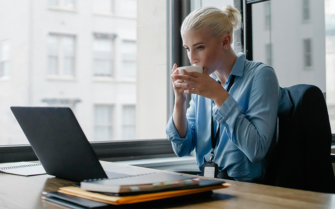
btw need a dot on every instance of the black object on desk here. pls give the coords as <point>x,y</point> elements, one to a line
<point>73,201</point>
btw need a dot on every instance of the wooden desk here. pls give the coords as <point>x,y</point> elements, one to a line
<point>25,192</point>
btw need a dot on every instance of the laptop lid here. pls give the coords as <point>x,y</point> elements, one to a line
<point>59,142</point>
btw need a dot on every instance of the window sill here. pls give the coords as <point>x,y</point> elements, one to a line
<point>4,78</point>
<point>115,16</point>
<point>110,79</point>
<point>61,9</point>
<point>61,78</point>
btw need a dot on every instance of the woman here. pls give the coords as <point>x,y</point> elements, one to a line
<point>245,117</point>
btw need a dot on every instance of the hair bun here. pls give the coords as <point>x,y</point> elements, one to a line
<point>233,15</point>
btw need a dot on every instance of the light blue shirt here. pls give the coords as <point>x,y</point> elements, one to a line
<point>247,117</point>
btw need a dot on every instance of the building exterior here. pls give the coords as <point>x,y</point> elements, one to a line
<point>80,54</point>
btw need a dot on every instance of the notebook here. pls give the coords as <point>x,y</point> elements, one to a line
<point>156,182</point>
<point>204,186</point>
<point>23,168</point>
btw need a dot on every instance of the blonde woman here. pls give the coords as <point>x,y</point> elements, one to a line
<point>242,120</point>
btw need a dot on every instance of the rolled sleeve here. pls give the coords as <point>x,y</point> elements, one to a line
<point>181,146</point>
<point>229,109</point>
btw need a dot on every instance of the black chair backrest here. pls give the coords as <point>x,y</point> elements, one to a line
<point>301,159</point>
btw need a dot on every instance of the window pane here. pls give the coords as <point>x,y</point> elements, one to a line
<point>128,118</point>
<point>69,4</point>
<point>103,6</point>
<point>68,66</point>
<point>129,115</point>
<point>102,67</point>
<point>90,48</point>
<point>102,53</point>
<point>102,133</point>
<point>103,115</point>
<point>305,9</point>
<point>129,69</point>
<point>103,122</point>
<point>53,65</point>
<point>129,50</point>
<point>4,52</point>
<point>4,68</point>
<point>129,58</point>
<point>126,7</point>
<point>128,132</point>
<point>53,2</point>
<point>53,44</point>
<point>68,46</point>
<point>298,56</point>
<point>102,48</point>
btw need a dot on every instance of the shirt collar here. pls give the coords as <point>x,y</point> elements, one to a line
<point>238,67</point>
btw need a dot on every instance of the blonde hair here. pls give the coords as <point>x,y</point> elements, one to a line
<point>217,22</point>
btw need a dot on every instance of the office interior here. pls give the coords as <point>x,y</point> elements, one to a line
<point>110,61</point>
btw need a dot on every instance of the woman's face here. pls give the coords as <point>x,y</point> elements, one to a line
<point>203,49</point>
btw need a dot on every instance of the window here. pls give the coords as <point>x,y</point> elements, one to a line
<point>305,10</point>
<point>129,59</point>
<point>103,56</point>
<point>61,59</point>
<point>307,53</point>
<point>267,11</point>
<point>4,58</point>
<point>61,4</point>
<point>268,50</point>
<point>126,8</point>
<point>80,60</point>
<point>305,57</point>
<point>103,122</point>
<point>128,122</point>
<point>103,6</point>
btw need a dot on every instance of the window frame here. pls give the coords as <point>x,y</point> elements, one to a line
<point>61,57</point>
<point>111,116</point>
<point>111,38</point>
<point>122,150</point>
<point>61,6</point>
<point>247,35</point>
<point>128,60</point>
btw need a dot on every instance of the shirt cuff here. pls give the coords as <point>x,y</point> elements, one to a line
<point>172,132</point>
<point>227,109</point>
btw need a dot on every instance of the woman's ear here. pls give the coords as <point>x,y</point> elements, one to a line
<point>226,40</point>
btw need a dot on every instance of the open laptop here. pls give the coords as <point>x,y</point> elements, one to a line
<point>62,147</point>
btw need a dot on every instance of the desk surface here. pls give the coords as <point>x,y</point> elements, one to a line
<point>25,192</point>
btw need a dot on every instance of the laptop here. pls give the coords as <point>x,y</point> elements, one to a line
<point>62,147</point>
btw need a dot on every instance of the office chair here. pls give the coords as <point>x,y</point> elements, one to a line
<point>301,159</point>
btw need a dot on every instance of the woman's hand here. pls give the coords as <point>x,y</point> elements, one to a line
<point>203,85</point>
<point>178,91</point>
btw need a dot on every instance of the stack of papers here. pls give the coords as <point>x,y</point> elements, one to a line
<point>114,200</point>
